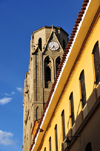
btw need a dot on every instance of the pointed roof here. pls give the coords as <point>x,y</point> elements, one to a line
<point>52,32</point>
<point>51,27</point>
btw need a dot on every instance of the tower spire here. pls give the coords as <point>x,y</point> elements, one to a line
<point>52,28</point>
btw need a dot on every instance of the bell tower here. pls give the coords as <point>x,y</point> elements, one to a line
<point>46,49</point>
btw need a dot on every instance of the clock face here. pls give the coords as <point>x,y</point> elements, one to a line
<point>53,45</point>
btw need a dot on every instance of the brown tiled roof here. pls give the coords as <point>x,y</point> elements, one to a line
<point>79,18</point>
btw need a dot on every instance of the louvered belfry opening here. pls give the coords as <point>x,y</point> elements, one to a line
<point>47,71</point>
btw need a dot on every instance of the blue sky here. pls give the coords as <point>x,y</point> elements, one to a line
<point>18,19</point>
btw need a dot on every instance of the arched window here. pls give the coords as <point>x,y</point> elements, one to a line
<point>63,44</point>
<point>88,147</point>
<point>71,108</point>
<point>57,63</point>
<point>56,138</point>
<point>47,71</point>
<point>63,124</point>
<point>83,91</point>
<point>40,43</point>
<point>48,74</point>
<point>96,62</point>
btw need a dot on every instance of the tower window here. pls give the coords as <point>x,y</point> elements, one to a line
<point>57,63</point>
<point>71,108</point>
<point>47,76</point>
<point>40,44</point>
<point>63,44</point>
<point>96,62</point>
<point>63,124</point>
<point>47,71</point>
<point>56,139</point>
<point>88,147</point>
<point>49,143</point>
<point>83,91</point>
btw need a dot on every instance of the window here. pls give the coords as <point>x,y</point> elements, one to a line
<point>48,74</point>
<point>56,139</point>
<point>49,143</point>
<point>63,44</point>
<point>47,71</point>
<point>71,108</point>
<point>40,44</point>
<point>88,147</point>
<point>96,62</point>
<point>45,149</point>
<point>57,63</point>
<point>63,124</point>
<point>83,91</point>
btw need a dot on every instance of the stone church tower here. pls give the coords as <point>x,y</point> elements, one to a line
<point>46,49</point>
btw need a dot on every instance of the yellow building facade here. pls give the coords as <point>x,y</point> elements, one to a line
<point>70,120</point>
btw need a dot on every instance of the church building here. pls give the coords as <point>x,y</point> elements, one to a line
<point>46,50</point>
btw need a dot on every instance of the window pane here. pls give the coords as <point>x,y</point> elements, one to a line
<point>63,124</point>
<point>56,139</point>
<point>72,107</point>
<point>96,62</point>
<point>83,91</point>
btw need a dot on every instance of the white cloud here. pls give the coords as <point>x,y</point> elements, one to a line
<point>5,100</point>
<point>7,94</point>
<point>12,93</point>
<point>19,89</point>
<point>6,138</point>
